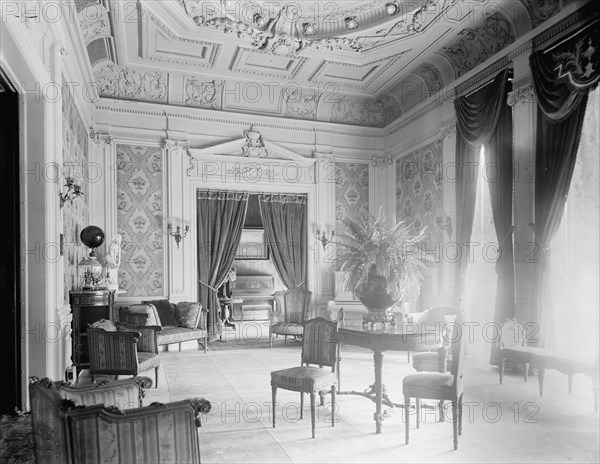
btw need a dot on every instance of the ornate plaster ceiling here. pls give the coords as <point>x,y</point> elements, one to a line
<point>352,62</point>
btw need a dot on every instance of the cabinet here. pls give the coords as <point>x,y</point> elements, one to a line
<point>87,307</point>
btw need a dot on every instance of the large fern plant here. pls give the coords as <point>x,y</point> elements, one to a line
<point>380,263</point>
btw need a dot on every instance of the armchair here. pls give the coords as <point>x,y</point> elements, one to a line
<point>439,360</point>
<point>48,410</point>
<point>126,350</point>
<point>67,433</point>
<point>289,313</point>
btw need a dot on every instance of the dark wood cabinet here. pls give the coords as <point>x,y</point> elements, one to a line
<point>88,307</point>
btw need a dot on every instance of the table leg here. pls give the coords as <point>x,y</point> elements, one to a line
<point>378,358</point>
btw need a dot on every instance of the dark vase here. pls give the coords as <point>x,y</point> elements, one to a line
<point>373,294</point>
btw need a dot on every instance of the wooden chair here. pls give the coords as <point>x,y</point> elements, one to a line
<point>67,431</point>
<point>128,350</point>
<point>290,312</point>
<point>319,351</point>
<point>512,347</point>
<point>51,439</point>
<point>438,385</point>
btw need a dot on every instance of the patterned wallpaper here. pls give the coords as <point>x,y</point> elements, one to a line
<point>140,220</point>
<point>419,190</point>
<point>75,216</point>
<point>351,191</point>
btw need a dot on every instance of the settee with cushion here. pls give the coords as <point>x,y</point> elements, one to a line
<point>104,422</point>
<point>180,322</point>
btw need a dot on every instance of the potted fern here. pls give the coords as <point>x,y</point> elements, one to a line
<point>380,264</point>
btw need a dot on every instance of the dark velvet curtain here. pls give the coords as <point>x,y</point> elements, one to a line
<point>562,76</point>
<point>220,222</point>
<point>499,158</point>
<point>284,220</point>
<point>477,116</point>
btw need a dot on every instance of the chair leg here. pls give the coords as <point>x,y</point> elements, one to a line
<point>418,411</point>
<point>180,347</point>
<point>333,405</point>
<point>312,413</point>
<point>156,377</point>
<point>501,369</point>
<point>321,398</point>
<point>526,372</point>
<point>455,422</point>
<point>406,417</point>
<point>460,413</point>
<point>441,411</point>
<point>273,397</point>
<point>301,405</point>
<point>270,340</point>
<point>285,340</point>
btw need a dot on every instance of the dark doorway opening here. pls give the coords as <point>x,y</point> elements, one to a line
<point>10,284</point>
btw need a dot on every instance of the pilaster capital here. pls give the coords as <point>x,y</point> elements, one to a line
<point>382,161</point>
<point>176,145</point>
<point>100,137</point>
<point>524,93</point>
<point>447,130</point>
<point>324,157</point>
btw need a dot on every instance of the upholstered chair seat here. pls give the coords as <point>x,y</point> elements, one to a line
<point>317,372</point>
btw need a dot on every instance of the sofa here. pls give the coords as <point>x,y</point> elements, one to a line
<point>104,422</point>
<point>180,322</point>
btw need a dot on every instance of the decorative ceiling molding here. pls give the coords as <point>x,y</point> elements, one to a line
<point>370,112</point>
<point>432,77</point>
<point>127,83</point>
<point>345,75</point>
<point>203,94</point>
<point>286,30</point>
<point>476,44</point>
<point>260,63</point>
<point>159,43</point>
<point>94,22</point>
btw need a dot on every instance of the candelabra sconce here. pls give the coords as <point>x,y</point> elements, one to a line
<point>73,191</point>
<point>445,223</point>
<point>177,233</point>
<point>324,237</point>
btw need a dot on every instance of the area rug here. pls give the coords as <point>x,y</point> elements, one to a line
<point>16,439</point>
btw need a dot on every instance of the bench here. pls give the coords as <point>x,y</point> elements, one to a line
<point>513,346</point>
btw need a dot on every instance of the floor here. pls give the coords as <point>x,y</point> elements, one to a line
<point>502,423</point>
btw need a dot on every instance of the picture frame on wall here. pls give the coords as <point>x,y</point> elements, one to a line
<point>253,245</point>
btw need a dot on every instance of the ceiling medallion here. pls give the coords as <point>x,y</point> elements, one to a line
<point>391,8</point>
<point>351,22</point>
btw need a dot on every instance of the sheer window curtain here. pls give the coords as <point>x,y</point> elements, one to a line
<point>573,297</point>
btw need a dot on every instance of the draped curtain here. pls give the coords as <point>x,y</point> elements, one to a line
<point>562,76</point>
<point>284,220</point>
<point>220,222</point>
<point>484,118</point>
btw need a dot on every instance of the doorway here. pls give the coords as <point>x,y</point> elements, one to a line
<point>10,284</point>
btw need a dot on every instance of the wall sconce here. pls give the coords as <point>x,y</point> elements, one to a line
<point>177,233</point>
<point>445,223</point>
<point>73,191</point>
<point>324,237</point>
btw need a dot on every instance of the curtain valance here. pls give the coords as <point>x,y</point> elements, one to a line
<point>564,74</point>
<point>282,198</point>
<point>221,195</point>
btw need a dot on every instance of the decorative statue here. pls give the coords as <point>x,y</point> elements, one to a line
<point>113,261</point>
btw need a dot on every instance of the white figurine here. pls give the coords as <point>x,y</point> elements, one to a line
<point>113,256</point>
<point>113,261</point>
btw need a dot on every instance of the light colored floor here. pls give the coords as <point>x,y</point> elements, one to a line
<point>502,423</point>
